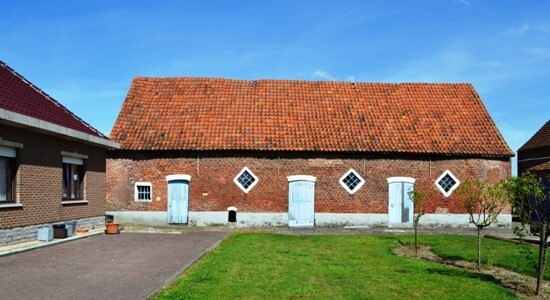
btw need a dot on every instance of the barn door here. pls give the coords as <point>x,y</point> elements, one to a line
<point>178,199</point>
<point>301,200</point>
<point>400,206</point>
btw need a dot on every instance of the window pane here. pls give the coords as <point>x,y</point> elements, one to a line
<point>143,192</point>
<point>66,176</point>
<point>3,179</point>
<point>72,181</point>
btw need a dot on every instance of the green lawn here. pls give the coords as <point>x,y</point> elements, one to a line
<point>259,266</point>
<point>519,258</point>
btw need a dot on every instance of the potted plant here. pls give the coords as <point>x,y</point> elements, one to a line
<point>111,228</point>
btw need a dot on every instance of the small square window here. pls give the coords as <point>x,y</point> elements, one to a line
<point>143,191</point>
<point>246,180</point>
<point>447,183</point>
<point>352,181</point>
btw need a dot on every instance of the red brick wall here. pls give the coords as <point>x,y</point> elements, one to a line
<point>39,180</point>
<point>212,187</point>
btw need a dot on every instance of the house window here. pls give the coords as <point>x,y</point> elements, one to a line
<point>352,181</point>
<point>73,178</point>
<point>143,191</point>
<point>7,175</point>
<point>245,180</point>
<point>447,183</point>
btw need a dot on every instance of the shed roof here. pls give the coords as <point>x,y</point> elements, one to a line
<point>291,115</point>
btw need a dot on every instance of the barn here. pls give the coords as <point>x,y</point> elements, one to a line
<point>211,151</point>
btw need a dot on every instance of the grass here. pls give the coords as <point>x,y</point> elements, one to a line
<point>258,266</point>
<point>519,258</point>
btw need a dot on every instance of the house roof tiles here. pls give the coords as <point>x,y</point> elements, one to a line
<point>292,115</point>
<point>20,96</point>
<point>541,139</point>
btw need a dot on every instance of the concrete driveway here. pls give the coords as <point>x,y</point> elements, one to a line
<point>124,266</point>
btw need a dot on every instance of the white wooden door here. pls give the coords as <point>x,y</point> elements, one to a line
<point>178,201</point>
<point>301,203</point>
<point>400,206</point>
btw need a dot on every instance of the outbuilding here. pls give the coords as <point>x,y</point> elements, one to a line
<point>207,151</point>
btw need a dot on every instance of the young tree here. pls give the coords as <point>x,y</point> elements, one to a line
<point>531,202</point>
<point>418,199</point>
<point>483,202</point>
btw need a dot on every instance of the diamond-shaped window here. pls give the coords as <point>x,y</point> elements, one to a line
<point>447,183</point>
<point>352,181</point>
<point>245,180</point>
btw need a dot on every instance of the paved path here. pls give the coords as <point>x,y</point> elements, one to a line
<point>124,266</point>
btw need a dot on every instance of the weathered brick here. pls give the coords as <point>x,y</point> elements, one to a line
<point>212,187</point>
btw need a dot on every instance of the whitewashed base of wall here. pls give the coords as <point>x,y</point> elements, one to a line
<point>245,219</point>
<point>29,233</point>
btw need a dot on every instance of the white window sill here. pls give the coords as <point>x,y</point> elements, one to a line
<point>143,200</point>
<point>11,205</point>
<point>74,202</point>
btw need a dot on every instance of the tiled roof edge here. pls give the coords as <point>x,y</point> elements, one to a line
<point>526,145</point>
<point>55,102</point>
<point>54,129</point>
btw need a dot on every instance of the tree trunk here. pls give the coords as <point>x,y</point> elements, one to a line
<point>416,239</point>
<point>479,248</point>
<point>542,258</point>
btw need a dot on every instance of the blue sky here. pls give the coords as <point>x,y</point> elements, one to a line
<point>85,53</point>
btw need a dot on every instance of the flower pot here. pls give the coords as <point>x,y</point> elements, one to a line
<point>81,230</point>
<point>111,228</point>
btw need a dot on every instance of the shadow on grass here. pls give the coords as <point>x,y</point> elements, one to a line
<point>462,273</point>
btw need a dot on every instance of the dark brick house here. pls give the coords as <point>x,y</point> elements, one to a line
<point>298,153</point>
<point>52,163</point>
<point>534,155</point>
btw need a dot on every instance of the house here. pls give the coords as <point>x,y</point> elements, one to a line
<point>52,163</point>
<point>208,151</point>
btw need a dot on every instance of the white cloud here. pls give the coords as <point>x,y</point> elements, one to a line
<point>536,51</point>
<point>464,2</point>
<point>325,75</point>
<point>518,31</point>
<point>350,78</point>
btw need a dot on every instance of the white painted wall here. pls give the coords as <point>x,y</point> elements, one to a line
<point>245,219</point>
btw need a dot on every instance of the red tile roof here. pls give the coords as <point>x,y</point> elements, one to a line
<point>291,115</point>
<point>20,96</point>
<point>541,139</point>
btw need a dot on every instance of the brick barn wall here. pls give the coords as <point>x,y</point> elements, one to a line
<point>39,180</point>
<point>535,161</point>
<point>212,187</point>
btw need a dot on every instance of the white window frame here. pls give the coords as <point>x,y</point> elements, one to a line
<point>346,186</point>
<point>150,185</point>
<point>448,193</point>
<point>236,180</point>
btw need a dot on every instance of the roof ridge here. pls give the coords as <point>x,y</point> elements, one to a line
<point>51,99</point>
<point>298,80</point>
